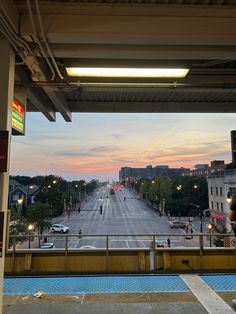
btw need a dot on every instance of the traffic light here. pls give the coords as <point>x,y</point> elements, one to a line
<point>79,209</point>
<point>101,209</point>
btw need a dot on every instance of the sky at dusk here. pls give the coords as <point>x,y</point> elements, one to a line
<point>96,146</point>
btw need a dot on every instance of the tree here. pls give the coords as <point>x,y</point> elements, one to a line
<point>160,191</point>
<point>39,215</point>
<point>191,198</point>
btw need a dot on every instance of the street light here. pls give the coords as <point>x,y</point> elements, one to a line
<point>30,229</point>
<point>20,202</point>
<point>85,192</point>
<point>179,187</point>
<point>209,226</point>
<point>229,198</point>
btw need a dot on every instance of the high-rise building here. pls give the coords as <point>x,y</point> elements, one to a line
<point>149,172</point>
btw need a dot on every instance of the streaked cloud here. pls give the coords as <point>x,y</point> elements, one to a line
<point>97,145</point>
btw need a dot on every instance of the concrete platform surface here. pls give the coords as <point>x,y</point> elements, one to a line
<point>114,308</point>
<point>148,303</point>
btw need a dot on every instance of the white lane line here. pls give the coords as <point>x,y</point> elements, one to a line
<point>142,240</point>
<point>210,300</point>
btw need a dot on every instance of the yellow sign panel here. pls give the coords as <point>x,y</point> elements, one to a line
<point>18,118</point>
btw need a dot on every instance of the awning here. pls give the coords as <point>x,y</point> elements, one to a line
<point>217,216</point>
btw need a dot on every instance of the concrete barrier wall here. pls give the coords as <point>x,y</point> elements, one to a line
<point>134,261</point>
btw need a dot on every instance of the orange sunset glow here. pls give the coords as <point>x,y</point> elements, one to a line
<point>96,146</point>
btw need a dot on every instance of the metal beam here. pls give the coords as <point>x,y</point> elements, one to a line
<point>34,97</point>
<point>57,98</point>
<point>149,107</point>
<point>150,52</point>
<point>131,28</point>
<point>9,9</point>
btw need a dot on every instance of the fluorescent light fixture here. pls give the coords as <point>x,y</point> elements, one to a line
<point>126,72</point>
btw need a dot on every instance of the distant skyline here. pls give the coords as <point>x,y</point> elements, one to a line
<point>96,146</point>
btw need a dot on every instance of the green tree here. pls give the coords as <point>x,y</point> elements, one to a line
<point>39,215</point>
<point>190,199</point>
<point>160,191</point>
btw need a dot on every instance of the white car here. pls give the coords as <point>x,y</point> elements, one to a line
<point>47,245</point>
<point>87,247</point>
<point>60,228</point>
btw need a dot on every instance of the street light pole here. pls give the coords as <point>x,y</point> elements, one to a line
<point>210,229</point>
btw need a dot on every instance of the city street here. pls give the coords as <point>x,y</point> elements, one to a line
<point>119,216</point>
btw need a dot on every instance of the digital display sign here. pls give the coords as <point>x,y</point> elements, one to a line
<point>18,118</point>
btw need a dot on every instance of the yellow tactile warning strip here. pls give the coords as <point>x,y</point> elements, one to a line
<point>210,300</point>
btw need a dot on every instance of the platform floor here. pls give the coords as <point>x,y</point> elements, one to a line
<point>121,294</point>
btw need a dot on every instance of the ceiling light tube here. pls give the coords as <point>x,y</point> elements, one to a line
<point>126,72</point>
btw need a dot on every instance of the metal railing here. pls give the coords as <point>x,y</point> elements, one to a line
<point>72,241</point>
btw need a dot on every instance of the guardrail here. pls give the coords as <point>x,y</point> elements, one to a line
<point>106,250</point>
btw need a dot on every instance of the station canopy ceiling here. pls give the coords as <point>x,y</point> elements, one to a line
<point>52,36</point>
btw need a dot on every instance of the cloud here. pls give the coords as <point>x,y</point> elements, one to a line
<point>116,136</point>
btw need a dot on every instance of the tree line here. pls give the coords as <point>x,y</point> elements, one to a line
<point>180,196</point>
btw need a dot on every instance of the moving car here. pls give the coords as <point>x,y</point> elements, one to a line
<point>60,228</point>
<point>47,245</point>
<point>178,224</point>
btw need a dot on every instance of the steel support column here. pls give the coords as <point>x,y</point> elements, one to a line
<point>7,63</point>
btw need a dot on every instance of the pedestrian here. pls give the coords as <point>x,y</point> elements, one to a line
<point>168,242</point>
<point>80,233</point>
<point>191,231</point>
<point>186,228</point>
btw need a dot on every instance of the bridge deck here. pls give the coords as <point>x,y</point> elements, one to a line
<point>120,294</point>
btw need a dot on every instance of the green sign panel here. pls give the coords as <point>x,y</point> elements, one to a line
<point>18,118</point>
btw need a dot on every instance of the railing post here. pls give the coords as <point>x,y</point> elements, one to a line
<point>107,253</point>
<point>201,249</point>
<point>66,252</point>
<point>152,254</point>
<point>13,254</point>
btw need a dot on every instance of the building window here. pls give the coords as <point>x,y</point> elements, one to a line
<point>211,190</point>
<point>221,191</point>
<point>15,197</point>
<point>222,206</point>
<point>216,190</point>
<point>217,205</point>
<point>212,204</point>
<point>232,191</point>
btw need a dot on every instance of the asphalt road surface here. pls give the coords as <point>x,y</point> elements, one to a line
<point>119,216</point>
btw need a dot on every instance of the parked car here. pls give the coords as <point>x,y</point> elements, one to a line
<point>160,243</point>
<point>178,224</point>
<point>47,245</point>
<point>87,247</point>
<point>13,223</point>
<point>60,228</point>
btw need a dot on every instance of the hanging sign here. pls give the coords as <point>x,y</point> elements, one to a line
<point>18,118</point>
